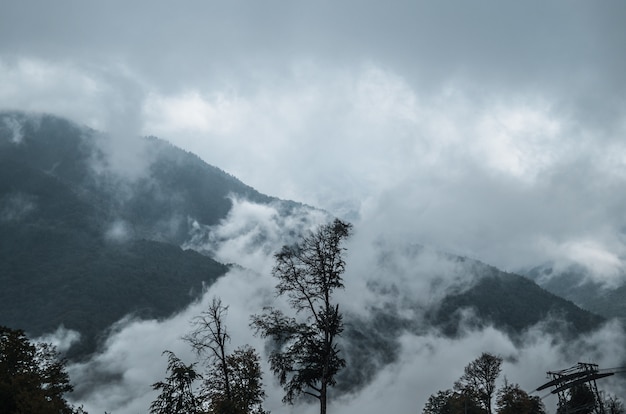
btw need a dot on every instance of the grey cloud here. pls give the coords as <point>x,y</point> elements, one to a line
<point>15,128</point>
<point>251,232</point>
<point>62,339</point>
<point>488,40</point>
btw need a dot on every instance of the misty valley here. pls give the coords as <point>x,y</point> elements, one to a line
<point>142,279</point>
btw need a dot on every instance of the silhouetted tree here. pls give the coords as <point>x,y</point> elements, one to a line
<point>307,359</point>
<point>453,402</point>
<point>177,394</point>
<point>209,339</point>
<point>233,382</point>
<point>480,377</point>
<point>511,399</point>
<point>439,403</point>
<point>33,378</point>
<point>246,388</point>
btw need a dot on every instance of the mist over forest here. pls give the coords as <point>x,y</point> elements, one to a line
<point>156,156</point>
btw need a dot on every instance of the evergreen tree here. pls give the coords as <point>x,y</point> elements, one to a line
<point>245,386</point>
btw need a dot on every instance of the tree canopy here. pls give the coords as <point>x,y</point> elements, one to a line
<point>473,392</point>
<point>480,377</point>
<point>33,378</point>
<point>177,394</point>
<point>232,381</point>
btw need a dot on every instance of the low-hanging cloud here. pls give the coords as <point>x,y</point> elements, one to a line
<point>383,276</point>
<point>62,339</point>
<point>252,232</point>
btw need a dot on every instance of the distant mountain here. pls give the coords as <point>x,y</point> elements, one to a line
<point>575,284</point>
<point>512,303</point>
<point>482,296</point>
<point>83,243</point>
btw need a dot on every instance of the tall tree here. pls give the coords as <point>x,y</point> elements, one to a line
<point>480,376</point>
<point>177,394</point>
<point>307,358</point>
<point>233,382</point>
<point>209,339</point>
<point>33,378</point>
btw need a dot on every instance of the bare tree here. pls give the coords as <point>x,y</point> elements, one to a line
<point>233,382</point>
<point>480,376</point>
<point>307,359</point>
<point>209,338</point>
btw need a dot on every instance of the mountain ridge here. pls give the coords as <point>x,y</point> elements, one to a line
<point>102,246</point>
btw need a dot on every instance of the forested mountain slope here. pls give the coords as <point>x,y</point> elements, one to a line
<point>84,243</point>
<point>575,284</point>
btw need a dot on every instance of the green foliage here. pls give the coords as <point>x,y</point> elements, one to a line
<point>246,394</point>
<point>512,399</point>
<point>306,360</point>
<point>32,377</point>
<point>177,396</point>
<point>480,377</point>
<point>87,285</point>
<point>233,381</point>
<point>475,389</point>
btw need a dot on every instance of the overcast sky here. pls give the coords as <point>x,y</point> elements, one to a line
<point>487,128</point>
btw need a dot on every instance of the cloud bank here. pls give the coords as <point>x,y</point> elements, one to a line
<point>419,361</point>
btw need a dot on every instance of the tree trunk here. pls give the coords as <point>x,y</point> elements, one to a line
<point>323,399</point>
